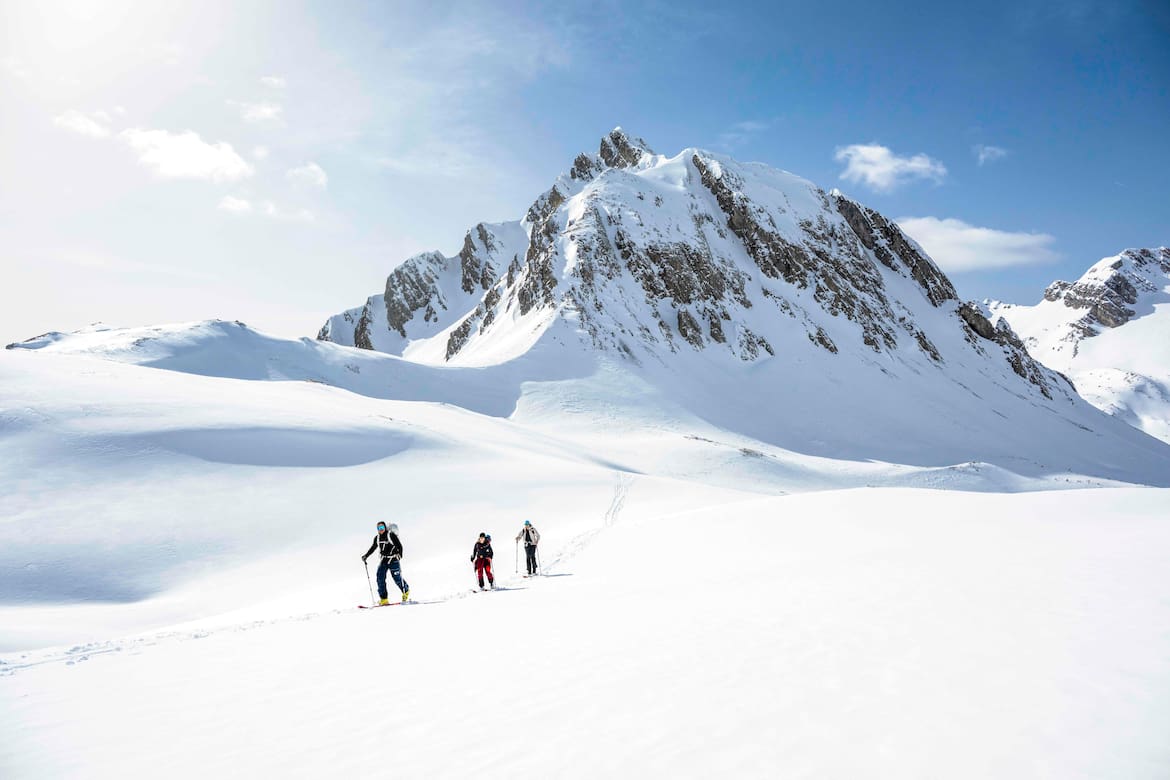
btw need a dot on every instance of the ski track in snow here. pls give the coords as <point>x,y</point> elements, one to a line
<point>16,662</point>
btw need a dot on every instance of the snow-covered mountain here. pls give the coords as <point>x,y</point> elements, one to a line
<point>1110,333</point>
<point>647,255</point>
<point>745,294</point>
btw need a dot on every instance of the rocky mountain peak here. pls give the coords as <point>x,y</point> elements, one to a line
<point>1108,291</point>
<point>645,256</point>
<point>619,150</point>
<point>1107,332</point>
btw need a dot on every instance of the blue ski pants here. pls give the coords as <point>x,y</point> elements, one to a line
<point>395,569</point>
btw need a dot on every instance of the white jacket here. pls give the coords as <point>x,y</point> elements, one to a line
<point>534,535</point>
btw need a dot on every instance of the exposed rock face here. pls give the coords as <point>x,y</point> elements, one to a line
<point>1112,293</point>
<point>476,268</point>
<point>619,150</point>
<point>1108,291</point>
<point>892,248</point>
<point>648,255</point>
<point>412,286</point>
<point>977,319</point>
<point>1105,332</point>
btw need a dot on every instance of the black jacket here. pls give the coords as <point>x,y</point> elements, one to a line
<point>482,550</point>
<point>388,545</point>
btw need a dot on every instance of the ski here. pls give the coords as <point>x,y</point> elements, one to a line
<point>391,604</point>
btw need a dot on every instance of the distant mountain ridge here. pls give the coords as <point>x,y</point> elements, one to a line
<point>1109,331</point>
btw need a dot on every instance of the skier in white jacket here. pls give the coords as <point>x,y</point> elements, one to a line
<point>531,538</point>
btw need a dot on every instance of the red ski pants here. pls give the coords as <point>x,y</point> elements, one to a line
<point>484,566</point>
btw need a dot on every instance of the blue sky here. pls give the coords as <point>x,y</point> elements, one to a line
<point>272,162</point>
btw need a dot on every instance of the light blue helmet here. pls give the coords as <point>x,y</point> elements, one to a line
<point>527,522</point>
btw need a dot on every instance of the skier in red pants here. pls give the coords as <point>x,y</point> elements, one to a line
<point>481,556</point>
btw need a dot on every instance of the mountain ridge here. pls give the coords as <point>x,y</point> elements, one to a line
<point>1107,332</point>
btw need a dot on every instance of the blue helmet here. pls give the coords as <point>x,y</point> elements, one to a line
<point>527,522</point>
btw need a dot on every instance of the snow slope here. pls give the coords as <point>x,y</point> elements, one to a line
<point>1110,333</point>
<point>866,633</point>
<point>800,417</point>
<point>182,509</point>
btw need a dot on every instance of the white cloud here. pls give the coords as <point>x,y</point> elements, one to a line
<point>234,205</point>
<point>267,208</point>
<point>77,122</point>
<point>260,153</point>
<point>986,154</point>
<point>296,215</point>
<point>275,82</point>
<point>310,173</point>
<point>186,155</point>
<point>258,112</point>
<point>957,246</point>
<point>880,169</point>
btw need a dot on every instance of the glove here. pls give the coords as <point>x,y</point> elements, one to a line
<point>472,559</point>
<point>363,559</point>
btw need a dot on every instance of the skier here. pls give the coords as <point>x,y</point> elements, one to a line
<point>390,546</point>
<point>481,556</point>
<point>531,538</point>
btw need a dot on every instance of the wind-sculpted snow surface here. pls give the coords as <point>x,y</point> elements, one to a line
<point>1110,333</point>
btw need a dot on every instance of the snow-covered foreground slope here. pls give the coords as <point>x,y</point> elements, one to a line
<point>1110,333</point>
<point>864,633</point>
<point>135,497</point>
<point>182,509</point>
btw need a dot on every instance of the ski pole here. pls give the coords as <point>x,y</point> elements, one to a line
<point>536,553</point>
<point>516,556</point>
<point>367,565</point>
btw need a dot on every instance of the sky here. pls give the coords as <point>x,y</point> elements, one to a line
<point>271,162</point>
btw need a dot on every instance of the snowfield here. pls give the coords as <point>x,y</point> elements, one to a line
<point>863,633</point>
<point>183,509</point>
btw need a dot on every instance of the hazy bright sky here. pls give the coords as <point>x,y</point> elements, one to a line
<point>272,162</point>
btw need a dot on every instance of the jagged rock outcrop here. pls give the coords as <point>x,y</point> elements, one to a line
<point>619,150</point>
<point>413,286</point>
<point>1105,332</point>
<point>1109,291</point>
<point>977,318</point>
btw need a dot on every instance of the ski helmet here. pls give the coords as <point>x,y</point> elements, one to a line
<point>527,522</point>
<point>487,537</point>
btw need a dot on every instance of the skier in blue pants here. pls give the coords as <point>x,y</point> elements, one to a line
<point>389,546</point>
